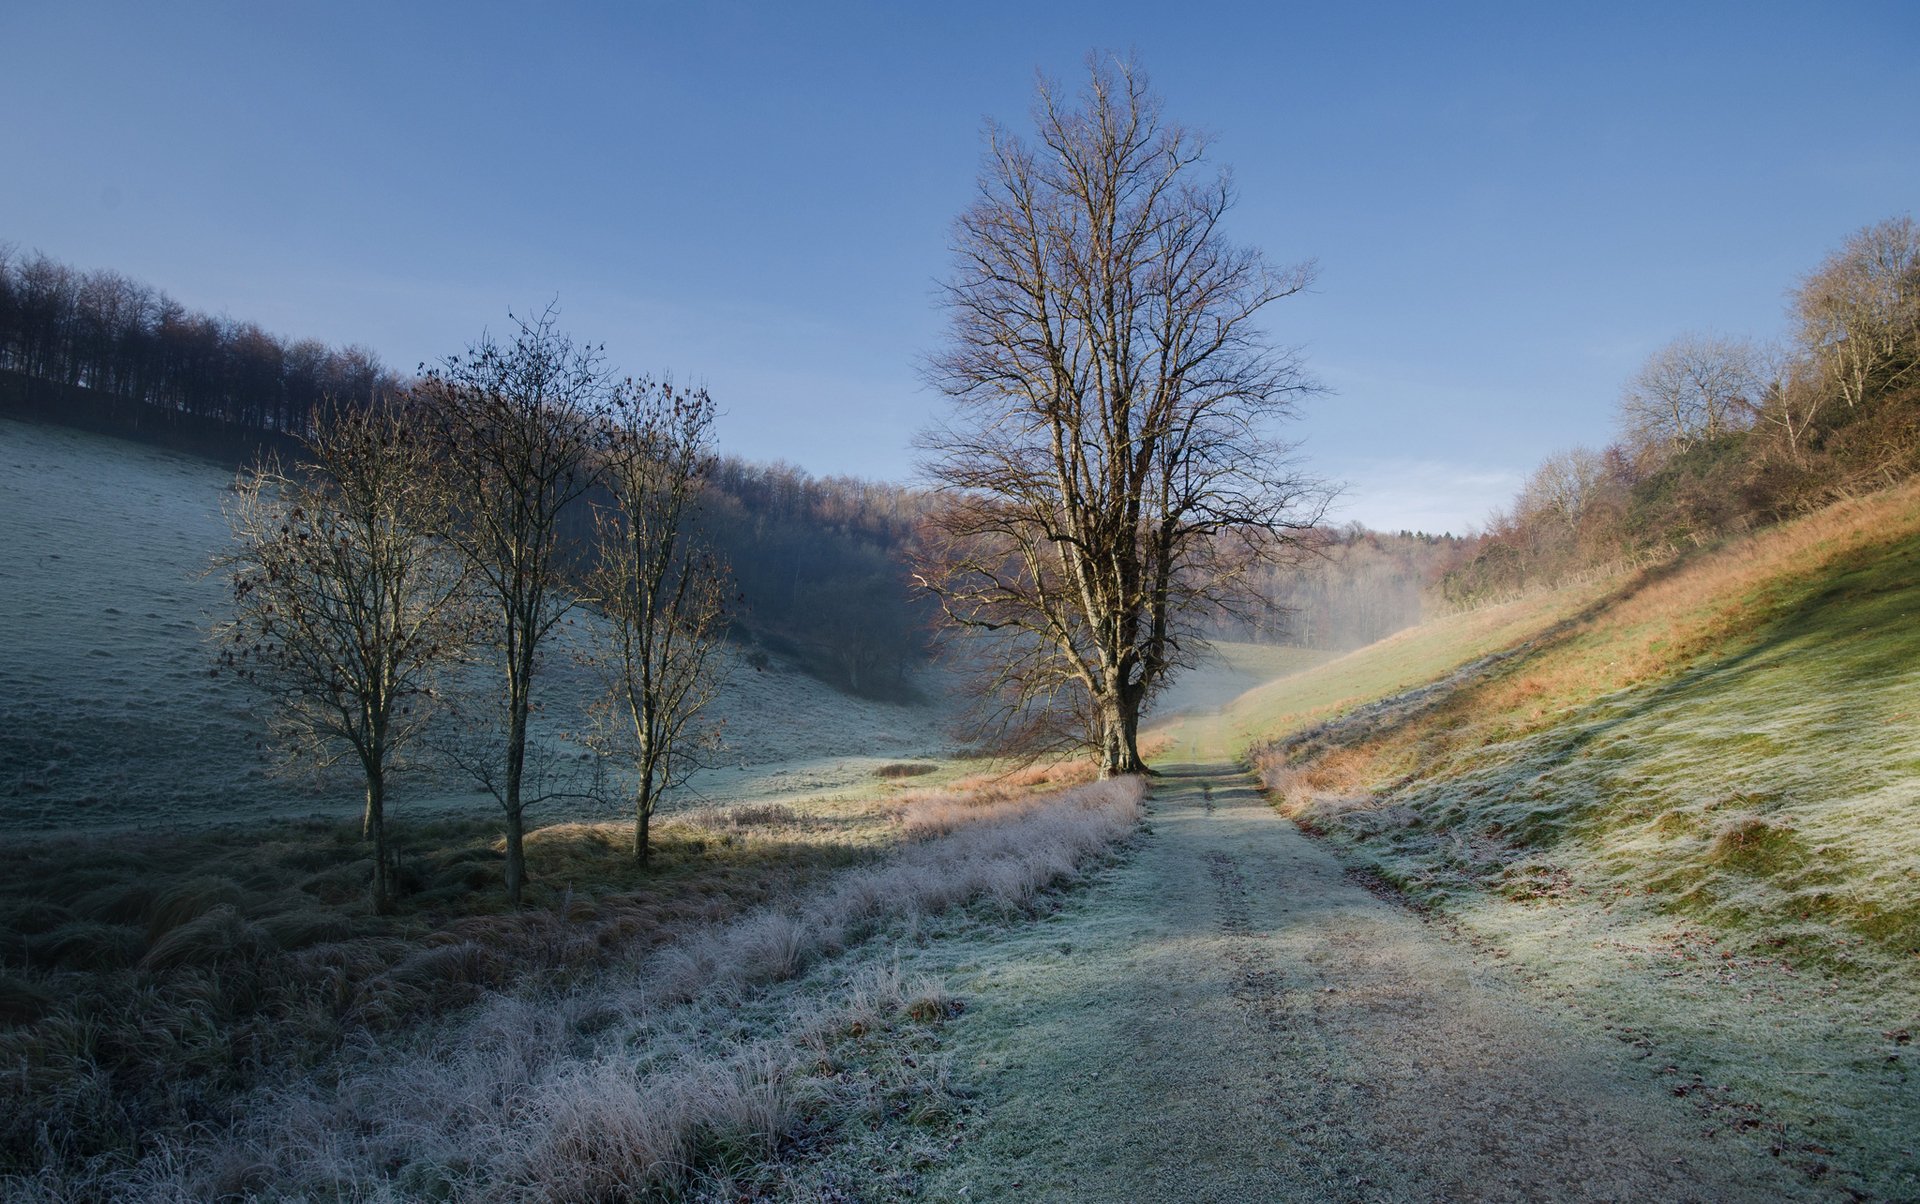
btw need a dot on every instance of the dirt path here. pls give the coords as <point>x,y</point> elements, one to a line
<point>1229,1017</point>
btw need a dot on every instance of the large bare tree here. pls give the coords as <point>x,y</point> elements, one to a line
<point>664,592</point>
<point>514,426</point>
<point>1111,464</point>
<point>345,610</point>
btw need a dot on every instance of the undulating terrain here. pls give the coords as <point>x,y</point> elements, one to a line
<point>1606,892</point>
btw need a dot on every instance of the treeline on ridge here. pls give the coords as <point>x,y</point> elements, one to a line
<point>1719,434</point>
<point>817,560</point>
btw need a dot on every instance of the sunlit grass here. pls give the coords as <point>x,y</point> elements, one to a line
<point>1735,734</point>
<point>1309,687</point>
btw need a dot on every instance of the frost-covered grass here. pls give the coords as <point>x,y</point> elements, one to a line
<point>1694,807</point>
<point>143,980</point>
<point>639,1036</point>
<point>109,718</point>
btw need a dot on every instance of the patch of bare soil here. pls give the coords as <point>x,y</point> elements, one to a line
<point>1228,1016</point>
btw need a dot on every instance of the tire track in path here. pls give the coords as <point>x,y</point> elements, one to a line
<point>1227,1017</point>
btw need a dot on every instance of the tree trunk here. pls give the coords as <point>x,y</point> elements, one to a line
<point>642,819</point>
<point>374,825</point>
<point>516,858</point>
<point>1120,738</point>
<point>516,767</point>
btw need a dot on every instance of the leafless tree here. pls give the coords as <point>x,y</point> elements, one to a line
<point>1110,468</point>
<point>1695,389</point>
<point>1560,490</point>
<point>1859,311</point>
<point>513,426</point>
<point>344,608</point>
<point>665,594</point>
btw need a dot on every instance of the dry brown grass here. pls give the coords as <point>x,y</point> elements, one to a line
<point>145,983</point>
<point>904,769</point>
<point>222,955</point>
<point>1650,626</point>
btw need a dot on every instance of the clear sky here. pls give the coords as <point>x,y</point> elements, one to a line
<point>1511,205</point>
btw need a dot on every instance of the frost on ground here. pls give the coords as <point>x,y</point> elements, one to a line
<point>1226,1016</point>
<point>109,717</point>
<point>689,1069</point>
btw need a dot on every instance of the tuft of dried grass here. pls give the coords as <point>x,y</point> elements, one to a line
<point>87,945</point>
<point>220,934</point>
<point>22,1002</point>
<point>191,899</point>
<point>298,928</point>
<point>747,815</point>
<point>125,902</point>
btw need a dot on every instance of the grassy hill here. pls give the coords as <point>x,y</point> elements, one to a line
<point>1685,799</point>
<point>1737,735</point>
<point>110,719</point>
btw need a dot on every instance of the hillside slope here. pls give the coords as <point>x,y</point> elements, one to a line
<point>109,718</point>
<point>1686,800</point>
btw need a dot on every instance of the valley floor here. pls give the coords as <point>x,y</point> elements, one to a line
<point>1229,1016</point>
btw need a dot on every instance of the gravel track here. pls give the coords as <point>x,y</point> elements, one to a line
<point>1227,1016</point>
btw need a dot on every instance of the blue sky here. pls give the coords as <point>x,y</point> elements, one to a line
<point>1511,205</point>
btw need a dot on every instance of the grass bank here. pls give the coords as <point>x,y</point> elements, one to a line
<point>1691,806</point>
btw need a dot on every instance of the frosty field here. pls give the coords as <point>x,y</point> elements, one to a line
<point>109,717</point>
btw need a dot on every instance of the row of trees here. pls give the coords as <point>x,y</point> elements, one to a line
<point>421,531</point>
<point>1110,485</point>
<point>1718,433</point>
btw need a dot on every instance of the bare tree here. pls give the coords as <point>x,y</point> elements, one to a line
<point>513,426</point>
<point>1110,468</point>
<point>1859,311</point>
<point>665,594</point>
<point>1695,389</point>
<point>1556,497</point>
<point>344,608</point>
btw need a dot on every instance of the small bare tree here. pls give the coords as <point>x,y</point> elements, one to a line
<point>1110,467</point>
<point>344,608</point>
<point>1693,390</point>
<point>513,427</point>
<point>665,594</point>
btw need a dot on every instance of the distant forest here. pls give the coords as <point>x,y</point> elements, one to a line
<point>819,560</point>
